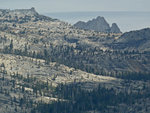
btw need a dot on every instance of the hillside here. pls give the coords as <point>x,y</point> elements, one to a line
<point>135,40</point>
<point>47,64</point>
<point>54,40</point>
<point>26,81</point>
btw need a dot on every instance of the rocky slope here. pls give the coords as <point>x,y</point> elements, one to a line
<point>135,40</point>
<point>21,15</point>
<point>114,28</point>
<point>38,54</point>
<point>22,79</point>
<point>99,24</point>
<point>85,50</point>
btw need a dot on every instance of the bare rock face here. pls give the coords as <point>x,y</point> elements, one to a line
<point>114,28</point>
<point>99,24</point>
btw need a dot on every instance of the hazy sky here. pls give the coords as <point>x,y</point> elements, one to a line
<point>45,6</point>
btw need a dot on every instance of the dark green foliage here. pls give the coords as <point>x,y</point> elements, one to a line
<point>78,100</point>
<point>134,76</point>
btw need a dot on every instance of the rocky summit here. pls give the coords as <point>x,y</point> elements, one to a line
<point>21,15</point>
<point>99,24</point>
<point>114,28</point>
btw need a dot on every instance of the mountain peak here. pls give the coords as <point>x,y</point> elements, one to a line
<point>18,12</point>
<point>32,8</point>
<point>31,11</point>
<point>115,28</point>
<point>98,24</point>
<point>21,15</point>
<point>100,18</point>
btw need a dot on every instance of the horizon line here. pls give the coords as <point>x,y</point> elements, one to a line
<point>93,11</point>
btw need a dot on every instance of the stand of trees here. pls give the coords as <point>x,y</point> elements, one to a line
<point>77,100</point>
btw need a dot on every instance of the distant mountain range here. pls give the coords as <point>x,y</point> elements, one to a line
<point>99,24</point>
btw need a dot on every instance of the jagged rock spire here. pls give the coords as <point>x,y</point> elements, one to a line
<point>98,24</point>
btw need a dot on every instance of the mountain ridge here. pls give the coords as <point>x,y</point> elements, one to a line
<point>98,24</point>
<point>24,15</point>
<point>135,40</point>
